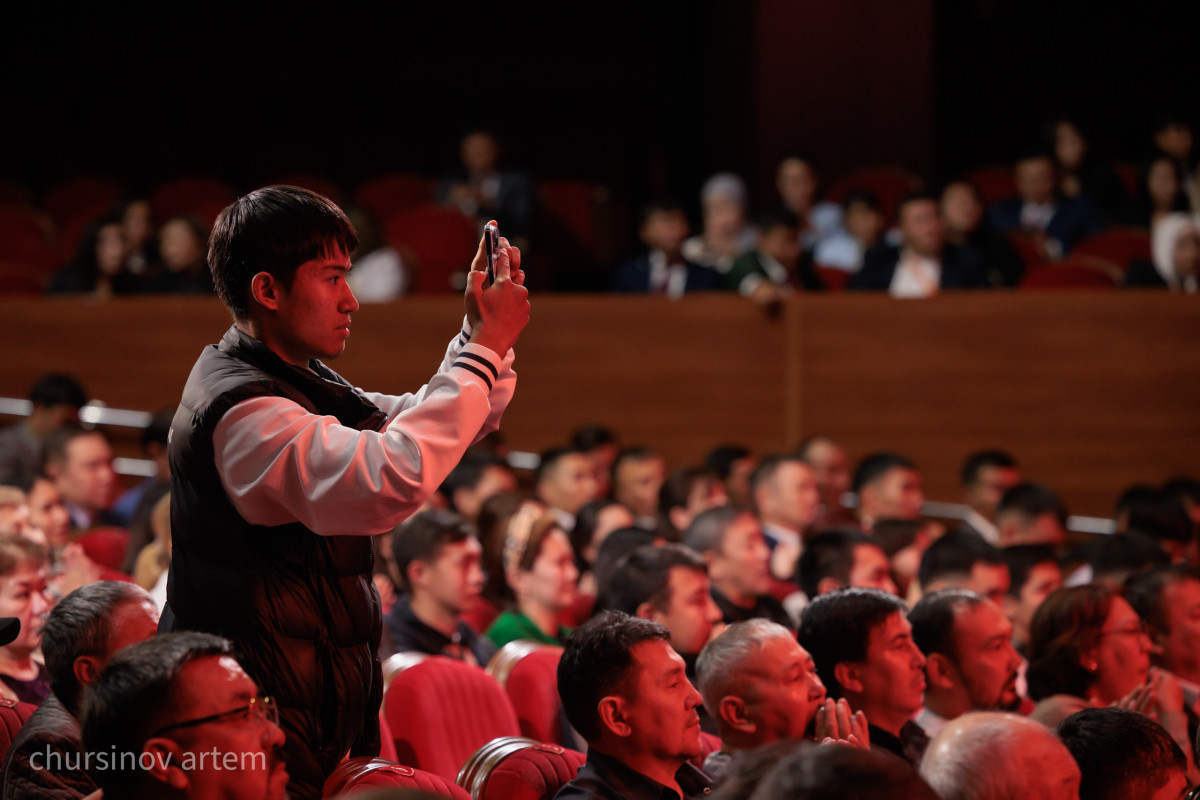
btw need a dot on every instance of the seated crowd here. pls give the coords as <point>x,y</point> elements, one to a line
<point>975,231</point>
<point>727,628</point>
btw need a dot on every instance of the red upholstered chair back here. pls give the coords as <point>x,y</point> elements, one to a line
<point>12,716</point>
<point>437,243</point>
<point>528,671</point>
<point>361,774</point>
<point>441,711</point>
<point>516,768</point>
<point>106,546</point>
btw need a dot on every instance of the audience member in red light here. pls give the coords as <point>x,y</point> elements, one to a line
<point>739,564</point>
<point>23,676</point>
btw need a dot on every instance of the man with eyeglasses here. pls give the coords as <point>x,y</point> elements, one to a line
<point>176,716</point>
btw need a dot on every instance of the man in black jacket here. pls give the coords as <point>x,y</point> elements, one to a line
<point>281,470</point>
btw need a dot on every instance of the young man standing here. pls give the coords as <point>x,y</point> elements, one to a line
<point>281,470</point>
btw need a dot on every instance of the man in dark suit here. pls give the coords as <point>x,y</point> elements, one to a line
<point>924,263</point>
<point>662,269</point>
<point>1059,222</point>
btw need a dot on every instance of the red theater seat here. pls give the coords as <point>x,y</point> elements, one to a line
<point>25,237</point>
<point>196,196</point>
<point>441,711</point>
<point>106,546</point>
<point>361,774</point>
<point>438,242</point>
<point>889,183</point>
<point>12,716</point>
<point>528,672</point>
<point>835,279</point>
<point>67,200</point>
<point>1122,246</point>
<point>387,194</point>
<point>994,183</point>
<point>1074,272</point>
<point>515,768</point>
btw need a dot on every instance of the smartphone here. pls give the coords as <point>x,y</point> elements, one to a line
<point>491,240</point>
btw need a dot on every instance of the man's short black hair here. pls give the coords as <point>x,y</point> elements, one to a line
<point>422,536</point>
<point>893,535</point>
<point>766,468</point>
<point>1123,554</point>
<point>638,452</point>
<point>1021,559</point>
<point>932,620</point>
<point>589,437</point>
<point>678,486</point>
<point>56,389</point>
<point>595,663</point>
<point>615,547</point>
<point>979,460</point>
<point>1184,488</point>
<point>54,446</point>
<point>468,472</point>
<point>1159,514</point>
<point>1144,591</point>
<point>586,522</point>
<point>825,773</point>
<point>829,554</point>
<point>875,466</point>
<point>836,628</point>
<point>955,554</point>
<point>79,626</point>
<point>643,576</point>
<point>274,230</point>
<point>1030,501</point>
<point>550,458</point>
<point>721,459</point>
<point>919,196</point>
<point>134,697</point>
<point>862,197</point>
<point>1121,753</point>
<point>664,205</point>
<point>777,218</point>
<point>708,528</point>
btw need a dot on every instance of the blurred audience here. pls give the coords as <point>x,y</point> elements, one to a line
<point>483,190</point>
<point>663,269</point>
<point>727,232</point>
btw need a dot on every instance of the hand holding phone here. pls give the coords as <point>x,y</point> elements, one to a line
<point>491,240</point>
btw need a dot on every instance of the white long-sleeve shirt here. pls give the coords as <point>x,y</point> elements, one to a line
<point>280,463</point>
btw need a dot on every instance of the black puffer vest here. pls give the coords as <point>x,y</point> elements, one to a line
<point>299,607</point>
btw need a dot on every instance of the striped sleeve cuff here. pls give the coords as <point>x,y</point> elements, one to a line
<point>479,361</point>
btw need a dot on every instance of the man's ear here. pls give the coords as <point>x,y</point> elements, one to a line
<point>613,716</point>
<point>163,760</point>
<point>647,611</point>
<point>265,289</point>
<point>733,711</point>
<point>849,675</point>
<point>940,672</point>
<point>415,572</point>
<point>87,669</point>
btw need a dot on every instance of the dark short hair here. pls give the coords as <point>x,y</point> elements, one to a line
<point>643,576</point>
<point>978,461</point>
<point>274,230</point>
<point>134,696</point>
<point>422,536</point>
<point>1127,553</point>
<point>955,554</point>
<point>776,218</point>
<point>1065,626</point>
<point>56,389</point>
<point>586,522</point>
<point>876,465</point>
<point>589,437</point>
<point>615,547</point>
<point>836,627</point>
<point>1021,559</point>
<point>1160,514</point>
<point>469,471</point>
<point>54,446</point>
<point>721,459</point>
<point>678,486</point>
<point>1121,753</point>
<point>920,196</point>
<point>595,663</point>
<point>79,626</point>
<point>767,467</point>
<point>932,620</point>
<point>639,452</point>
<point>893,535</point>
<point>708,528</point>
<point>829,554</point>
<point>830,773</point>
<point>862,197</point>
<point>549,460</point>
<point>1030,501</point>
<point>1144,591</point>
<point>1183,487</point>
<point>665,205</point>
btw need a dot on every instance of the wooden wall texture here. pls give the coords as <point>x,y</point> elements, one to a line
<point>1091,391</point>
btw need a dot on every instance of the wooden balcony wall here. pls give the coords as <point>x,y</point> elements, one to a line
<point>1091,391</point>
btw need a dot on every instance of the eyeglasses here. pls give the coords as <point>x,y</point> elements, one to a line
<point>262,709</point>
<point>1129,630</point>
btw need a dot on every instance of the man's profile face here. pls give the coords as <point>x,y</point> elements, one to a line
<point>871,569</point>
<point>897,494</point>
<point>986,660</point>
<point>313,316</point>
<point>790,497</point>
<point>743,559</point>
<point>571,483</point>
<point>455,577</point>
<point>1043,579</point>
<point>86,477</point>
<point>785,691</point>
<point>991,482</point>
<point>662,704</point>
<point>214,685</point>
<point>1180,642</point>
<point>691,613</point>
<point>893,672</point>
<point>637,482</point>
